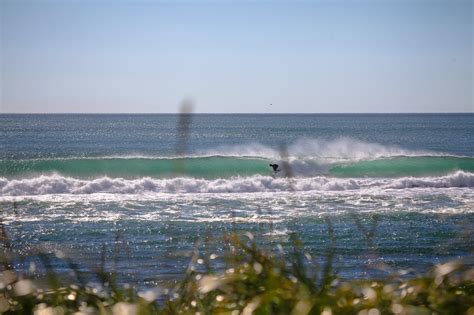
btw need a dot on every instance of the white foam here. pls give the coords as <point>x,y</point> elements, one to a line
<point>458,179</point>
<point>57,184</point>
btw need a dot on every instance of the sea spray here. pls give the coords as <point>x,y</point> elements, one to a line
<point>337,149</point>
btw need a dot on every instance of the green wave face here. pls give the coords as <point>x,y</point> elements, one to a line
<point>202,167</point>
<point>404,166</point>
<point>225,167</point>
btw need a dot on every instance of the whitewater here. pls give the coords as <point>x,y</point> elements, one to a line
<point>57,184</point>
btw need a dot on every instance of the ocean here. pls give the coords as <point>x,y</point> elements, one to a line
<point>145,191</point>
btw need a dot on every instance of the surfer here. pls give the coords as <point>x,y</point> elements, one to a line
<point>275,167</point>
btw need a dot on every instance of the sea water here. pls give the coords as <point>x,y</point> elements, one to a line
<point>144,191</point>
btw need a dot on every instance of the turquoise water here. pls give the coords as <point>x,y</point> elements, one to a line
<point>199,167</point>
<point>73,183</point>
<point>211,167</point>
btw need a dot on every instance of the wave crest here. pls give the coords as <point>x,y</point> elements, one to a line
<point>342,148</point>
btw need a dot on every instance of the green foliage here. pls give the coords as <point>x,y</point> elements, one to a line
<point>254,282</point>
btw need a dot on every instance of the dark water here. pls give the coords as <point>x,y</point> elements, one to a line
<point>39,136</point>
<point>136,184</point>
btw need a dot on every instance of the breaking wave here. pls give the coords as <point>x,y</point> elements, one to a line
<point>311,165</point>
<point>57,184</point>
<point>214,167</point>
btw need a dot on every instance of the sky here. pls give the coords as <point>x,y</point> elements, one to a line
<point>352,56</point>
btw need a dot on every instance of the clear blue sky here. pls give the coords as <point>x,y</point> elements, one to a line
<point>231,56</point>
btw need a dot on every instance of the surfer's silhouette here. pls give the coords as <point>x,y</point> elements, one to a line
<point>275,167</point>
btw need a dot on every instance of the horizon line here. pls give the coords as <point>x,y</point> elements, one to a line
<point>233,113</point>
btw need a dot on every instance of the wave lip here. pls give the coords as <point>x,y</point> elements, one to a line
<point>57,184</point>
<point>342,148</point>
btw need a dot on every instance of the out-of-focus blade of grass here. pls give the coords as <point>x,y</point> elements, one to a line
<point>328,274</point>
<point>5,246</point>
<point>286,167</point>
<point>369,237</point>
<point>183,130</point>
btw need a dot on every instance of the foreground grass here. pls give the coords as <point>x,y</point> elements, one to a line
<point>252,282</point>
